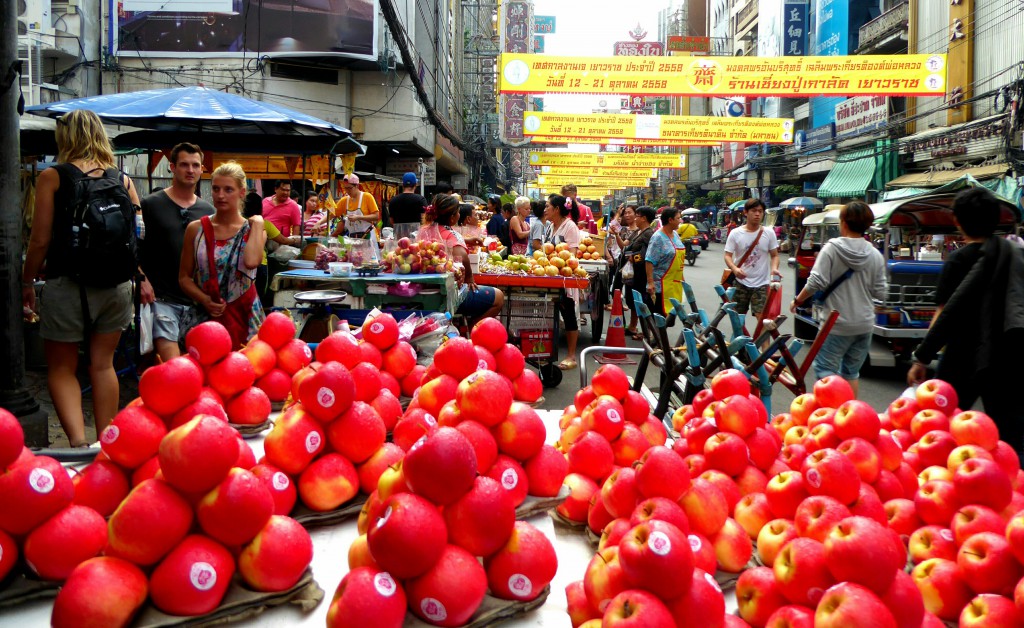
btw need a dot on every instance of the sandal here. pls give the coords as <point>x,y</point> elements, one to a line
<point>81,445</point>
<point>567,364</point>
<point>636,335</point>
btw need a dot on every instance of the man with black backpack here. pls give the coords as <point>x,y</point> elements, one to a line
<point>83,227</point>
<point>166,214</point>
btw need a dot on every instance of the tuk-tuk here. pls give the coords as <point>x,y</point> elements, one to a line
<point>915,235</point>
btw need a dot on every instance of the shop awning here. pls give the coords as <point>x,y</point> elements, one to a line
<point>942,177</point>
<point>852,175</point>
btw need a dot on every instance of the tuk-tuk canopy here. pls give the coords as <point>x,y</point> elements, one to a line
<point>934,213</point>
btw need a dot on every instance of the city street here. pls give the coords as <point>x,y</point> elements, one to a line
<point>879,387</point>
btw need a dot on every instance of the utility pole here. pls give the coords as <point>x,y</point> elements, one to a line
<point>14,397</point>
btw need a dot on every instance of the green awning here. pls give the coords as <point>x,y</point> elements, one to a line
<point>852,175</point>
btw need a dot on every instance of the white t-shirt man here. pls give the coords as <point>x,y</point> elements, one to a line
<point>757,266</point>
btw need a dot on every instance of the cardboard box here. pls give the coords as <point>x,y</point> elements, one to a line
<point>536,343</point>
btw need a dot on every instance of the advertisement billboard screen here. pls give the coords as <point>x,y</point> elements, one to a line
<point>173,28</point>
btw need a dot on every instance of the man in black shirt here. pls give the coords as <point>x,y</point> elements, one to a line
<point>407,206</point>
<point>166,214</point>
<point>978,319</point>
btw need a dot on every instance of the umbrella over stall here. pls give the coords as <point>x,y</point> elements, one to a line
<point>802,202</point>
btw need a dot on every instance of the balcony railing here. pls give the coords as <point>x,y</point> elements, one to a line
<point>746,13</point>
<point>892,21</point>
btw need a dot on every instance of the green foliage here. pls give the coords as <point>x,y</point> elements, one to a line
<point>701,201</point>
<point>508,197</point>
<point>661,202</point>
<point>716,197</point>
<point>782,192</point>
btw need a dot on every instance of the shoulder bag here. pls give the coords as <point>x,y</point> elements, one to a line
<point>728,278</point>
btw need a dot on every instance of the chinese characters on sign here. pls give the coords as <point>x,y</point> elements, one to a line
<point>516,38</point>
<point>794,28</point>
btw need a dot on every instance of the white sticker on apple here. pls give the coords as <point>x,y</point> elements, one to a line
<point>947,534</point>
<point>376,328</point>
<point>325,397</point>
<point>305,349</point>
<point>429,418</point>
<point>520,585</point>
<point>280,481</point>
<point>509,479</point>
<point>481,364</point>
<point>312,442</point>
<point>384,518</point>
<point>384,584</point>
<point>695,543</point>
<point>941,401</point>
<point>814,478</point>
<point>433,609</point>
<point>110,434</point>
<point>659,543</point>
<point>613,416</point>
<point>202,576</point>
<point>41,481</point>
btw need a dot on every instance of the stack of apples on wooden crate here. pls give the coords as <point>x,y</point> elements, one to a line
<point>468,455</point>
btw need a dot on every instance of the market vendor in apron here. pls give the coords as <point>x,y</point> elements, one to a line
<point>665,259</point>
<point>359,210</point>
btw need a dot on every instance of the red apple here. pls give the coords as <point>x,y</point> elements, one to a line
<point>367,596</point>
<point>591,455</point>
<point>801,571</point>
<point>702,605</point>
<point>32,491</point>
<point>817,514</point>
<point>101,486</point>
<point>927,420</point>
<point>294,441</point>
<point>764,447</point>
<point>371,470</point>
<point>527,387</point>
<point>990,610</point>
<point>63,541</point>
<point>972,519</point>
<point>901,515</point>
<point>739,415</point>
<point>450,591</point>
<point>863,551</point>
<point>148,523</point>
<point>656,557</point>
<point>328,482</point>
<point>729,382</point>
<point>482,519</point>
<point>101,592</point>
<point>988,564</point>
<point>524,566</point>
<point>512,477</point>
<point>733,547</point>
<point>801,408</point>
<point>236,509</point>
<point>856,418</point>
<point>169,387</point>
<point>983,482</point>
<point>133,437</point>
<point>582,488</point>
<point>630,445</point>
<point>661,509</point>
<point>942,587</point>
<point>409,537</point>
<point>828,472</point>
<point>705,506</point>
<point>758,595</point>
<point>864,456</point>
<point>605,416</point>
<point>753,513</point>
<point>521,434</point>
<point>485,396</point>
<point>637,609</point>
<point>772,538</point>
<point>340,346</point>
<point>604,579</point>
<point>727,453</point>
<point>849,605</point>
<point>610,380</point>
<point>832,391</point>
<point>932,541</point>
<point>281,488</point>
<point>193,578</point>
<point>441,466</point>
<point>936,394</point>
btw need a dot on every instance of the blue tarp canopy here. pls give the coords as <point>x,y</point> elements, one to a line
<point>196,110</point>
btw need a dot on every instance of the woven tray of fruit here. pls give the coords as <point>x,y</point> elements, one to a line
<point>24,587</point>
<point>310,518</point>
<point>492,611</point>
<point>239,604</point>
<point>537,505</point>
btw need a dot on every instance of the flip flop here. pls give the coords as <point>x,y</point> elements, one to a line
<point>567,364</point>
<point>636,335</point>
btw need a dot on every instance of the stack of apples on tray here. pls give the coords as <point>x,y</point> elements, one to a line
<point>417,257</point>
<point>190,522</point>
<point>587,250</point>
<point>466,455</point>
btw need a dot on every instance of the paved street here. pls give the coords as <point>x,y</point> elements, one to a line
<point>879,387</point>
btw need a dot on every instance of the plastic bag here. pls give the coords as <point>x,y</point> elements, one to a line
<point>146,328</point>
<point>285,253</point>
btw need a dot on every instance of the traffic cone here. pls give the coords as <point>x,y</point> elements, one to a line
<point>616,334</point>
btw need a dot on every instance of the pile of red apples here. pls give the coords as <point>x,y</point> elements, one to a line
<point>177,534</point>
<point>439,529</point>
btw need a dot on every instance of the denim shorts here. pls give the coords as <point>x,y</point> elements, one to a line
<point>842,355</point>
<point>171,321</point>
<point>478,301</point>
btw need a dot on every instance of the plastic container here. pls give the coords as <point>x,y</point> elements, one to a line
<point>340,269</point>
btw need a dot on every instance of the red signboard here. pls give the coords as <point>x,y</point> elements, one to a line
<point>639,49</point>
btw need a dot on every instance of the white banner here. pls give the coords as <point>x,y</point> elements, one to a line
<point>861,113</point>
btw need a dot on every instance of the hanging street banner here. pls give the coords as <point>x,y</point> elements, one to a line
<point>608,160</point>
<point>857,75</point>
<point>597,171</point>
<point>685,43</point>
<point>579,139</point>
<point>592,192</point>
<point>644,127</point>
<point>609,181</point>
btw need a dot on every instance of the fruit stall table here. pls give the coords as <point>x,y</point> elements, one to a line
<point>531,316</point>
<point>437,291</point>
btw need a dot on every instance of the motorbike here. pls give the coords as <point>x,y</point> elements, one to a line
<point>692,250</point>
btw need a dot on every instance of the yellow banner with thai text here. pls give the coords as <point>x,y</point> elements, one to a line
<point>856,75</point>
<point>596,171</point>
<point>607,141</point>
<point>608,160</point>
<point>651,127</point>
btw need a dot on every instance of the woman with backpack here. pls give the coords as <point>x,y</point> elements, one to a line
<point>88,291</point>
<point>221,255</point>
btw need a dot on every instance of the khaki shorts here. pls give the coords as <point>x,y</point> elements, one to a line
<point>60,310</point>
<point>750,299</point>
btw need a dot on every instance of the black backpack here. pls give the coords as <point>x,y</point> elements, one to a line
<point>103,243</point>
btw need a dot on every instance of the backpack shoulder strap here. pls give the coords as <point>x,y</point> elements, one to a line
<point>211,247</point>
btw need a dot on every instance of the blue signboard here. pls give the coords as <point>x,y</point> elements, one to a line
<point>538,44</point>
<point>543,24</point>
<point>794,28</point>
<point>816,140</point>
<point>831,38</point>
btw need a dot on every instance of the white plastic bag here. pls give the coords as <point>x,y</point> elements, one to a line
<point>285,253</point>
<point>145,328</point>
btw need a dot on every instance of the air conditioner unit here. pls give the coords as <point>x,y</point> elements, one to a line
<point>34,17</point>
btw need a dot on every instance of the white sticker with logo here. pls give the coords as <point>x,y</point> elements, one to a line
<point>280,481</point>
<point>313,442</point>
<point>946,534</point>
<point>384,584</point>
<point>433,609</point>
<point>429,418</point>
<point>695,543</point>
<point>41,481</point>
<point>305,350</point>
<point>711,580</point>
<point>613,416</point>
<point>509,479</point>
<point>941,401</point>
<point>203,576</point>
<point>659,543</point>
<point>384,518</point>
<point>377,328</point>
<point>814,478</point>
<point>481,364</point>
<point>325,397</point>
<point>110,435</point>
<point>520,585</point>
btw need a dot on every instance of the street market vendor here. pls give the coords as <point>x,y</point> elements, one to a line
<point>358,210</point>
<point>476,302</point>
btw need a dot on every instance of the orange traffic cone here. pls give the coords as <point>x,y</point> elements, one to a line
<point>616,333</point>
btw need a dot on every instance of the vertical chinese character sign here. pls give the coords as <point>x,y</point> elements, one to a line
<point>794,28</point>
<point>516,36</point>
